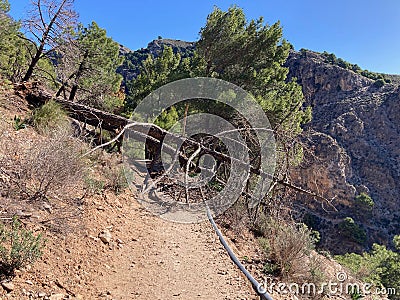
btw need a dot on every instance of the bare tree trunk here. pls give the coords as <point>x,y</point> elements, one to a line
<point>32,66</point>
<point>78,76</point>
<point>48,33</point>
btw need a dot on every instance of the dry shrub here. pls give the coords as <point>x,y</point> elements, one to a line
<point>48,168</point>
<point>285,244</point>
<point>110,173</point>
<point>116,180</point>
<point>53,166</point>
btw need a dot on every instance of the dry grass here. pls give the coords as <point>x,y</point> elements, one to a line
<point>50,118</point>
<point>48,168</point>
<point>285,244</point>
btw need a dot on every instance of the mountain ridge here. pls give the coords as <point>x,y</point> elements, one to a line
<point>354,132</point>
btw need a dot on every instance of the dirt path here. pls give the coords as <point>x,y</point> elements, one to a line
<point>156,259</point>
<point>165,260</point>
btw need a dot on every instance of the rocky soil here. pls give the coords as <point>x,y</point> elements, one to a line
<point>106,246</point>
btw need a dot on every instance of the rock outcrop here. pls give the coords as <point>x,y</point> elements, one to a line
<point>353,144</point>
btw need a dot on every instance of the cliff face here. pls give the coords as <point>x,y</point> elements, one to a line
<point>353,145</point>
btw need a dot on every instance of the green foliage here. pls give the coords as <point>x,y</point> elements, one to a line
<point>167,118</point>
<point>215,185</point>
<point>94,186</point>
<point>133,62</point>
<point>379,267</point>
<point>18,247</point>
<point>49,116</point>
<point>349,229</point>
<point>316,236</point>
<point>251,55</point>
<point>4,6</point>
<point>13,55</point>
<point>310,220</point>
<point>355,295</point>
<point>130,67</point>
<point>154,73</point>
<point>379,83</point>
<point>16,51</point>
<point>248,54</point>
<point>19,123</point>
<point>364,202</point>
<point>333,60</point>
<point>264,244</point>
<point>396,242</point>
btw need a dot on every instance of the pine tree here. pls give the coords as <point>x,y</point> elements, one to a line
<point>11,56</point>
<point>154,73</point>
<point>87,68</point>
<point>251,55</point>
<point>16,51</point>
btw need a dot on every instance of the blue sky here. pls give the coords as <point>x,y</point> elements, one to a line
<point>363,32</point>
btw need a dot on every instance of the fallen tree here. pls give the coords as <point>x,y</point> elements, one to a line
<point>36,95</point>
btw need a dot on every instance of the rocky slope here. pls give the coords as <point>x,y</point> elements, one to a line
<point>353,142</point>
<point>107,246</point>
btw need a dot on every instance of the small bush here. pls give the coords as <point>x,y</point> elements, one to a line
<point>363,209</point>
<point>94,186</point>
<point>349,229</point>
<point>316,273</point>
<point>116,180</point>
<point>364,202</point>
<point>49,117</point>
<point>19,123</point>
<point>379,83</point>
<point>18,247</point>
<point>5,84</point>
<point>287,244</point>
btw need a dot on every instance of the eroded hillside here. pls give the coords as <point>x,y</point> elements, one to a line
<point>353,142</point>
